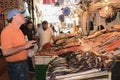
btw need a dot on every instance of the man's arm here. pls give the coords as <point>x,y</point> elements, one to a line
<point>14,50</point>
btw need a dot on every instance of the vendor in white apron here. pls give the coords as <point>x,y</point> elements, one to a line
<point>45,34</point>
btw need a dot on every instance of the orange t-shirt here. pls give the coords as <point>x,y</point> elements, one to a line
<point>12,36</point>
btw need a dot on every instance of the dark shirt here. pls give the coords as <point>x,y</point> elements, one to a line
<point>27,32</point>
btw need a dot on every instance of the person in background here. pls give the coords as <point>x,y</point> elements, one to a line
<point>14,46</point>
<point>27,30</point>
<point>45,34</point>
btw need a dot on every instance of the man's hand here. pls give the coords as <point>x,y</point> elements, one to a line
<point>30,44</point>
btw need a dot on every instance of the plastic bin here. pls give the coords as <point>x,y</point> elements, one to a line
<point>41,65</point>
<point>41,71</point>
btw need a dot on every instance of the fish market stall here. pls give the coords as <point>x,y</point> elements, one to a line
<point>92,54</point>
<point>78,56</point>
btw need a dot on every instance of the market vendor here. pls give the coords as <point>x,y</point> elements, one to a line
<point>45,34</point>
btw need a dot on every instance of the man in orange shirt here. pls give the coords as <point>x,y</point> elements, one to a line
<point>14,46</point>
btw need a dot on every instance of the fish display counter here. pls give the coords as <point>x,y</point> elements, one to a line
<point>74,55</point>
<point>75,64</point>
<point>94,52</point>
